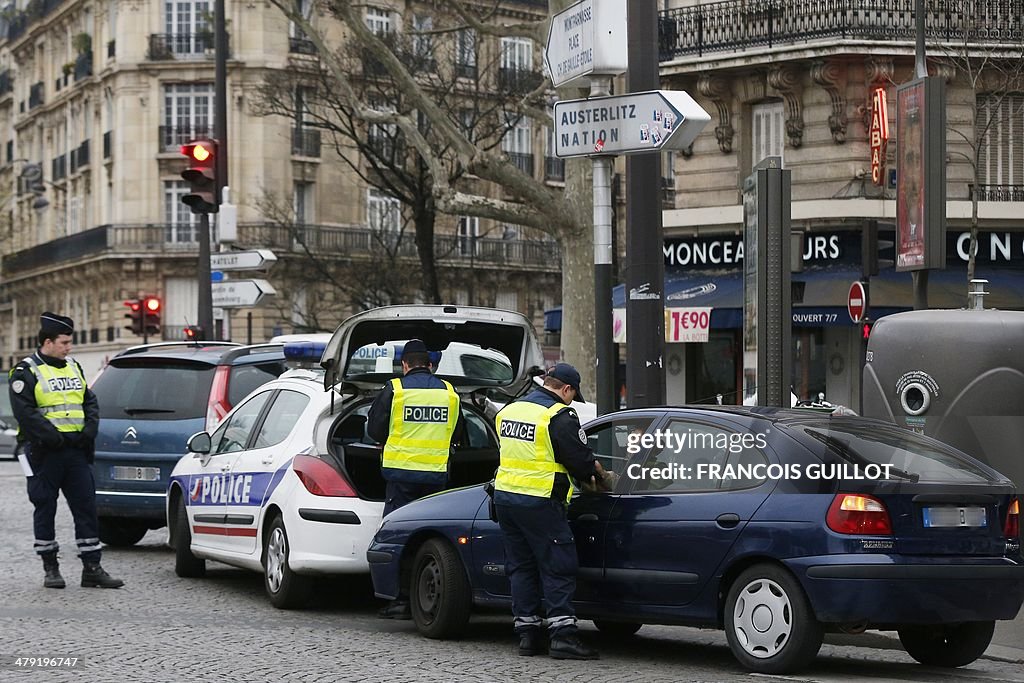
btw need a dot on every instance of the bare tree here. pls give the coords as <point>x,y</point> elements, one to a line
<point>995,77</point>
<point>448,152</point>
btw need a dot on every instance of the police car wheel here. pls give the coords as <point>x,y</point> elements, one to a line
<point>186,565</point>
<point>769,622</point>
<point>285,588</point>
<point>440,595</point>
<point>121,533</point>
<point>947,645</point>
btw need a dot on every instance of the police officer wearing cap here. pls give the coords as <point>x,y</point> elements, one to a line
<point>417,418</point>
<point>542,445</point>
<point>58,418</point>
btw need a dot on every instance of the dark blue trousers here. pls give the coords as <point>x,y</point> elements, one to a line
<point>541,564</point>
<point>64,470</point>
<point>399,493</point>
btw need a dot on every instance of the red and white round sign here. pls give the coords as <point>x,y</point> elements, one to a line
<point>856,302</point>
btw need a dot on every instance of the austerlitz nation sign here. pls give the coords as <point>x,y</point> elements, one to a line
<point>627,124</point>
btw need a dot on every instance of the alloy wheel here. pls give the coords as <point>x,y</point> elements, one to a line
<point>277,555</point>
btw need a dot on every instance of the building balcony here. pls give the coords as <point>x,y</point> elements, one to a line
<point>301,46</point>
<point>83,66</point>
<point>738,25</point>
<point>306,142</point>
<point>554,169</point>
<point>323,240</point>
<point>522,161</point>
<point>59,168</point>
<point>465,70</point>
<point>188,46</point>
<point>35,95</point>
<point>173,137</point>
<point>518,80</point>
<point>997,193</point>
<point>80,156</point>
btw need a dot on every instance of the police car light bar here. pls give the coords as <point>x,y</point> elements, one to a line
<point>304,351</point>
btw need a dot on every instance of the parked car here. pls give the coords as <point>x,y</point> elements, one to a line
<point>932,552</point>
<point>290,483</point>
<point>152,398</point>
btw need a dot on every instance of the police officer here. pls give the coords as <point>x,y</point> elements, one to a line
<point>542,445</point>
<point>417,418</point>
<point>58,418</point>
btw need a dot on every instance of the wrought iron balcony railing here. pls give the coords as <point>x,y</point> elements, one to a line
<point>743,24</point>
<point>997,193</point>
<point>554,169</point>
<point>522,161</point>
<point>518,80</point>
<point>173,137</point>
<point>306,142</point>
<point>164,46</point>
<point>301,46</point>
<point>322,240</point>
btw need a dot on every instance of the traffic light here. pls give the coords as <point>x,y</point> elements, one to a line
<point>193,333</point>
<point>135,315</point>
<point>871,247</point>
<point>865,329</point>
<point>201,175</point>
<point>151,311</point>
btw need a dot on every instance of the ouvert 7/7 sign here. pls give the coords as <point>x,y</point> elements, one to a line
<point>627,124</point>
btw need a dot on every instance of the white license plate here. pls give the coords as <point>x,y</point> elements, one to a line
<point>122,473</point>
<point>954,517</point>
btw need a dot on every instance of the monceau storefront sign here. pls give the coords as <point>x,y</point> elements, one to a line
<point>728,251</point>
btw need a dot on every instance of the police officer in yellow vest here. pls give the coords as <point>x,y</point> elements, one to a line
<point>58,418</point>
<point>542,444</point>
<point>417,419</point>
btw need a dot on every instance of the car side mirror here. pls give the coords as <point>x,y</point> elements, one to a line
<point>199,443</point>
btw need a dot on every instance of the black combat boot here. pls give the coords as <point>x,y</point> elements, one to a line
<point>569,646</point>
<point>532,642</point>
<point>52,568</point>
<point>94,576</point>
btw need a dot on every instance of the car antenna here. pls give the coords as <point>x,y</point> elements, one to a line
<point>195,341</point>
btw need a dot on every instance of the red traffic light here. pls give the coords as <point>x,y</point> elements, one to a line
<point>152,304</point>
<point>200,151</point>
<point>201,175</point>
<point>133,304</point>
<point>866,331</point>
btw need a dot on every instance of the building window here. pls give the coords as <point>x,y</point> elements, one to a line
<point>518,141</point>
<point>384,216</point>
<point>382,137</point>
<point>668,179</point>
<point>188,114</point>
<point>379,21</point>
<point>465,53</point>
<point>303,8</point>
<point>469,231</point>
<point>423,38</point>
<point>768,126</point>
<point>516,69</point>
<point>302,199</point>
<point>1000,127</point>
<point>187,27</point>
<point>180,222</point>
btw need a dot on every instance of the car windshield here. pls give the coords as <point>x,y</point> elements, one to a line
<point>910,456</point>
<point>460,363</point>
<point>168,390</point>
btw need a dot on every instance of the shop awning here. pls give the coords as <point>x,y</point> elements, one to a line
<point>825,294</point>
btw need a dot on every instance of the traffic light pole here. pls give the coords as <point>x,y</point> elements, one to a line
<point>220,77</point>
<point>205,289</point>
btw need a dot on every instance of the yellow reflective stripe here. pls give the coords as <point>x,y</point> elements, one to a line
<point>529,468</point>
<point>419,446</point>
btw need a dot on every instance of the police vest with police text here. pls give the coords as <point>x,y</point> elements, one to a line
<point>422,424</point>
<point>528,464</point>
<point>60,394</point>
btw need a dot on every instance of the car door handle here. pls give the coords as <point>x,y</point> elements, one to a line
<point>728,521</point>
<point>588,517</point>
<point>225,468</point>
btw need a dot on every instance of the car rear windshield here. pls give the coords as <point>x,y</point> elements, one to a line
<point>168,390</point>
<point>246,379</point>
<point>460,363</point>
<point>911,456</point>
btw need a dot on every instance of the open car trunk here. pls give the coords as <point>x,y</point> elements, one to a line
<point>472,462</point>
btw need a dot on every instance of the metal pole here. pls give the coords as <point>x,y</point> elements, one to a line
<point>920,277</point>
<point>203,273</point>
<point>248,327</point>
<point>600,86</point>
<point>645,260</point>
<point>920,290</point>
<point>220,121</point>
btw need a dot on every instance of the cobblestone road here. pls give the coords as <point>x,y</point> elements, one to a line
<point>222,628</point>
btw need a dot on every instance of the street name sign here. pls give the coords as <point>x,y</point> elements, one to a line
<point>627,124</point>
<point>256,259</point>
<point>587,38</point>
<point>240,293</point>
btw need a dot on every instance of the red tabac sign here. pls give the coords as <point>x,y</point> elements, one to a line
<point>879,133</point>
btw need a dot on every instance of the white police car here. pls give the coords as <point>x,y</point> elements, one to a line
<point>289,484</point>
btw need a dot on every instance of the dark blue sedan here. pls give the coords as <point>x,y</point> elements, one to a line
<point>774,525</point>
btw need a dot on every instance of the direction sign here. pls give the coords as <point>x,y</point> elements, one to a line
<point>256,259</point>
<point>240,293</point>
<point>587,38</point>
<point>857,302</point>
<point>627,124</point>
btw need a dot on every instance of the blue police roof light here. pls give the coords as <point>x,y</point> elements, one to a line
<point>304,351</point>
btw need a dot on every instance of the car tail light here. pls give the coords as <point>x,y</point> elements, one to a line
<point>321,479</point>
<point>219,405</point>
<point>858,514</point>
<point>1012,527</point>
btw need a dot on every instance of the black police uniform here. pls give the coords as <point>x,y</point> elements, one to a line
<point>540,552</point>
<point>405,486</point>
<point>60,462</point>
